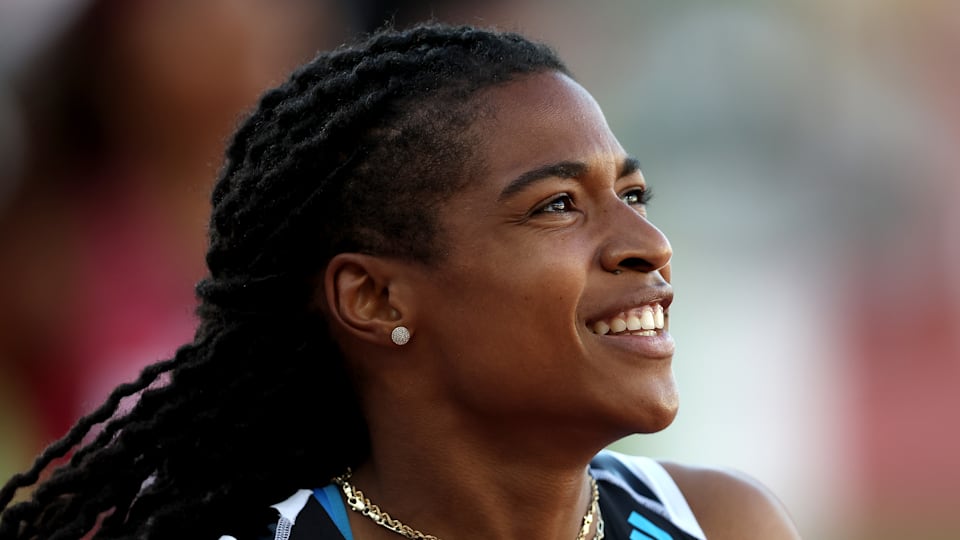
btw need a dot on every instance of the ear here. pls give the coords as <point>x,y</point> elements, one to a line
<point>359,296</point>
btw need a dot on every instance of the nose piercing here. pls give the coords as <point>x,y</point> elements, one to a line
<point>617,272</point>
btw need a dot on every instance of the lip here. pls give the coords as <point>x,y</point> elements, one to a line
<point>662,295</point>
<point>652,347</point>
<point>659,346</point>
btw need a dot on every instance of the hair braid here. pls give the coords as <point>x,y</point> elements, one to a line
<point>322,166</point>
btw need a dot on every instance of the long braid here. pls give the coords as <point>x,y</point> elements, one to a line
<point>353,153</point>
<point>80,429</point>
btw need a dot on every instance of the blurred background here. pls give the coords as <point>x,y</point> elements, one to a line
<point>805,159</point>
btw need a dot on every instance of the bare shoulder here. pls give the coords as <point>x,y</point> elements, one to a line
<point>731,505</point>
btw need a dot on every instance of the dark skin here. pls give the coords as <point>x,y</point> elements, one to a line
<point>504,381</point>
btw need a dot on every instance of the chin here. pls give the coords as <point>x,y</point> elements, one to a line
<point>657,413</point>
<point>659,422</point>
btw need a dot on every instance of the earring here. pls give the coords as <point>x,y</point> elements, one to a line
<point>400,335</point>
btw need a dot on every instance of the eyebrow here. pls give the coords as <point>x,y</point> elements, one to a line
<point>563,169</point>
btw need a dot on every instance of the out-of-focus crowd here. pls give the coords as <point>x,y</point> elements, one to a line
<point>119,112</point>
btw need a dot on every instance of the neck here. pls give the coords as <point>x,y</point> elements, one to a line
<point>445,478</point>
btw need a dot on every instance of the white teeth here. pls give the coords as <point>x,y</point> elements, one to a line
<point>643,321</point>
<point>646,318</point>
<point>618,325</point>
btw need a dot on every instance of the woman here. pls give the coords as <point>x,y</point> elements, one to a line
<point>431,279</point>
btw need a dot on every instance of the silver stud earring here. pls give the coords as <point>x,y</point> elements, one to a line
<point>400,335</point>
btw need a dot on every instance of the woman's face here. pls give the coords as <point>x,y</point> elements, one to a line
<point>549,249</point>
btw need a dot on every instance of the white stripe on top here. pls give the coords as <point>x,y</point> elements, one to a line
<point>658,479</point>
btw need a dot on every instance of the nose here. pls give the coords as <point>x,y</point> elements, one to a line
<point>633,243</point>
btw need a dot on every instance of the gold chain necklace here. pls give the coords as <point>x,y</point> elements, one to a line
<point>359,503</point>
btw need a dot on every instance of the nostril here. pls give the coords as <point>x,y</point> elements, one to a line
<point>635,263</point>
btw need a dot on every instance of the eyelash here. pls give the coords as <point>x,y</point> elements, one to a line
<point>643,196</point>
<point>564,198</point>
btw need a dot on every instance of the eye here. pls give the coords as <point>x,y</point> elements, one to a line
<point>560,204</point>
<point>637,196</point>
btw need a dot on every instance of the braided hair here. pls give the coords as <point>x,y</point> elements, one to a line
<point>353,153</point>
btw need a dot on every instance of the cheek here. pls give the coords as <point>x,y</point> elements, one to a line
<point>510,344</point>
<point>518,306</point>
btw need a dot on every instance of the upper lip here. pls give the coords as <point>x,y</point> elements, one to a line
<point>662,294</point>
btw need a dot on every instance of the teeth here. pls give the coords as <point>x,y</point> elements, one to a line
<point>646,318</point>
<point>644,321</point>
<point>618,325</point>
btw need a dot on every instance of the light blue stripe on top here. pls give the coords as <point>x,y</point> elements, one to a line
<point>329,499</point>
<point>646,527</point>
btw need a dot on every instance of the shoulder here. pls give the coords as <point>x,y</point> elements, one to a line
<point>730,504</point>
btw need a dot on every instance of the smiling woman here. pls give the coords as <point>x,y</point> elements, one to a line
<point>434,298</point>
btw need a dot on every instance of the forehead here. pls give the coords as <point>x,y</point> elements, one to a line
<point>540,119</point>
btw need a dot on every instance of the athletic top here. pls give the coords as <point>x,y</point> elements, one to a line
<point>638,500</point>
